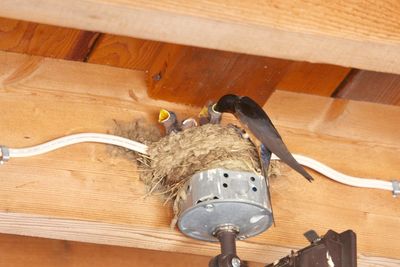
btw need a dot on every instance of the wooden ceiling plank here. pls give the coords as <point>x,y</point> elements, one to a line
<point>40,252</point>
<point>212,73</point>
<point>45,40</point>
<point>125,52</point>
<point>88,193</point>
<point>371,86</point>
<point>194,76</point>
<point>315,79</point>
<point>361,34</point>
<point>209,73</point>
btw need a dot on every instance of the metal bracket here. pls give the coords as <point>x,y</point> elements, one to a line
<point>312,236</point>
<point>333,249</point>
<point>396,188</point>
<point>5,154</point>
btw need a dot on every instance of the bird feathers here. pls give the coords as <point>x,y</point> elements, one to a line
<point>257,121</point>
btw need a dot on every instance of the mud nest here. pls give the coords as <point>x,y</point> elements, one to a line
<point>175,158</point>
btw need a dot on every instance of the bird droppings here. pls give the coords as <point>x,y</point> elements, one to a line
<point>175,158</point>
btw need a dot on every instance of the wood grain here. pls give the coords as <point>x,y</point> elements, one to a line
<point>315,79</point>
<point>87,193</point>
<point>372,87</point>
<point>44,40</point>
<point>18,251</point>
<point>192,75</point>
<point>210,73</point>
<point>41,252</point>
<point>125,52</point>
<point>363,34</point>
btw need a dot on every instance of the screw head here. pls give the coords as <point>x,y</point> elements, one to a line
<point>157,77</point>
<point>209,207</point>
<point>235,262</point>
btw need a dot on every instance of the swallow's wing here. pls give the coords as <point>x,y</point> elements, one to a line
<point>254,117</point>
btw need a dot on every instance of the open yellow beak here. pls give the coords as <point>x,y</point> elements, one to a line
<point>204,112</point>
<point>163,115</point>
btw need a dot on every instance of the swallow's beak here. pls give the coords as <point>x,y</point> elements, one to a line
<point>163,115</point>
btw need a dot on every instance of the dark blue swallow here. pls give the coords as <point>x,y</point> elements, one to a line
<point>253,117</point>
<point>265,156</point>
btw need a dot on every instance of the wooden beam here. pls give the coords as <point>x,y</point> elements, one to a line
<point>192,75</point>
<point>315,79</point>
<point>87,193</point>
<point>173,69</point>
<point>372,87</point>
<point>45,40</point>
<point>361,34</point>
<point>125,52</point>
<point>19,251</point>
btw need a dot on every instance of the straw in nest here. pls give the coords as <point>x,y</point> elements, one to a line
<point>173,159</point>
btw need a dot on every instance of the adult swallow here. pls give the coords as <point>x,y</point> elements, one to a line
<point>169,120</point>
<point>265,156</point>
<point>253,116</point>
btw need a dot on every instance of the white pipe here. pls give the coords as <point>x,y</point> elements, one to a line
<point>75,139</point>
<point>340,177</point>
<point>141,148</point>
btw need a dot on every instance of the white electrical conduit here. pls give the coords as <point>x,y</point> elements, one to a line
<point>340,177</point>
<point>75,139</point>
<point>7,153</point>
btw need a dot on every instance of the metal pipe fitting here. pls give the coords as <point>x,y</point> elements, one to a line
<point>5,154</point>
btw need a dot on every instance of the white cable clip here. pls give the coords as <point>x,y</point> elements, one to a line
<point>396,188</point>
<point>5,154</point>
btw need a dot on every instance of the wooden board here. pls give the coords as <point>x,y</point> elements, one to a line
<point>372,87</point>
<point>125,52</point>
<point>208,73</point>
<point>87,193</point>
<point>41,252</point>
<point>193,75</point>
<point>18,251</point>
<point>361,34</point>
<point>315,79</point>
<point>44,40</point>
